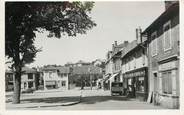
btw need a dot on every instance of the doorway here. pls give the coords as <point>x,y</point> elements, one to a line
<point>156,86</point>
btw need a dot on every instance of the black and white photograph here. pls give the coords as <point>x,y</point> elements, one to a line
<point>92,55</point>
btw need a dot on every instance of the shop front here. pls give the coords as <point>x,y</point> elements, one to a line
<point>137,83</point>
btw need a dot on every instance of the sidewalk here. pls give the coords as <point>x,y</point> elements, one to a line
<point>26,104</point>
<point>47,99</point>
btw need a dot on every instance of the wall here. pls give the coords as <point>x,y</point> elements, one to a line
<point>154,62</point>
<point>116,65</point>
<point>61,78</point>
<point>109,67</point>
<point>50,75</point>
<point>161,54</point>
<point>133,61</point>
<point>53,75</point>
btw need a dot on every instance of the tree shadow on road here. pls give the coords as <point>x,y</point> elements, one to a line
<point>84,100</point>
<point>96,99</point>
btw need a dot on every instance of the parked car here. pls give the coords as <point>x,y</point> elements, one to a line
<point>117,87</point>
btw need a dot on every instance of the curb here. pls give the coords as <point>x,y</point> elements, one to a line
<point>67,104</point>
<point>64,104</point>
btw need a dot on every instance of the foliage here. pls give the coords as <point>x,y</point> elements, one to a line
<point>59,18</point>
<point>23,19</point>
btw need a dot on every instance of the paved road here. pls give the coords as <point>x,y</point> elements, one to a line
<point>101,100</point>
<point>91,100</point>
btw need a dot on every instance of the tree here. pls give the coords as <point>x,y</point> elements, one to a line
<point>23,19</point>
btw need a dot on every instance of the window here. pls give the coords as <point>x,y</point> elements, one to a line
<point>167,36</point>
<point>50,74</point>
<point>30,76</point>
<point>10,77</point>
<point>30,84</point>
<point>25,85</point>
<point>154,44</point>
<point>167,82</point>
<point>63,83</point>
<point>61,75</point>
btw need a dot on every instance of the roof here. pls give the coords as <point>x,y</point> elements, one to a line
<point>24,69</point>
<point>64,69</point>
<point>87,69</point>
<point>170,12</point>
<point>119,49</point>
<point>129,48</point>
<point>61,69</point>
<point>120,45</point>
<point>28,70</point>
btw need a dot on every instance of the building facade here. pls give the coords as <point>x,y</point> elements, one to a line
<point>56,77</point>
<point>108,70</point>
<point>163,48</point>
<point>9,80</point>
<point>135,70</point>
<point>113,64</point>
<point>29,79</point>
<point>117,63</point>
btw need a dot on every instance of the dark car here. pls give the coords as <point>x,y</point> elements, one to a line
<point>117,87</point>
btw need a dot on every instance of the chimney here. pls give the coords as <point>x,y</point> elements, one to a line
<point>112,47</point>
<point>115,43</point>
<point>169,3</point>
<point>138,35</point>
<point>125,43</point>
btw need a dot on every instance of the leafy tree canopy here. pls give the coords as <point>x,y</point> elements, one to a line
<point>59,18</point>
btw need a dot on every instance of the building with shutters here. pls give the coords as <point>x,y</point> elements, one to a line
<point>163,57</point>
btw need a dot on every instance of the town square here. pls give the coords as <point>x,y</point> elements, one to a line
<point>82,55</point>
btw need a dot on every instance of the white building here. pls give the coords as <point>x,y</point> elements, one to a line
<point>56,77</point>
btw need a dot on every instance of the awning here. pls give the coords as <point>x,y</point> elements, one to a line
<point>106,77</point>
<point>113,76</point>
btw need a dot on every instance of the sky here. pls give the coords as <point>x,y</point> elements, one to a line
<point>116,21</point>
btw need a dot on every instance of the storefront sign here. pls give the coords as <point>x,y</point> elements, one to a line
<point>135,74</point>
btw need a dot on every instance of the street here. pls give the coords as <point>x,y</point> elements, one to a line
<point>90,100</point>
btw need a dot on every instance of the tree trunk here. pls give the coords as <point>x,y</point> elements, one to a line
<point>17,85</point>
<point>91,85</point>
